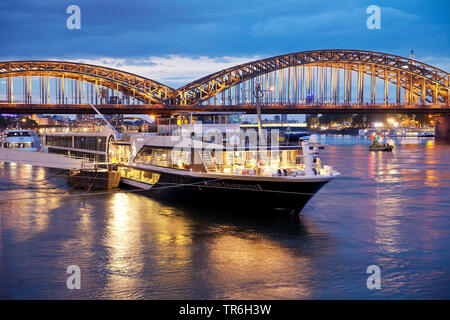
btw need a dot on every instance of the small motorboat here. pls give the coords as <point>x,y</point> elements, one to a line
<point>377,144</point>
<point>381,147</point>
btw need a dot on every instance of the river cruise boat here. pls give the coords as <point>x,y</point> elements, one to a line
<point>289,133</point>
<point>202,124</point>
<point>399,132</point>
<point>180,168</point>
<point>26,140</point>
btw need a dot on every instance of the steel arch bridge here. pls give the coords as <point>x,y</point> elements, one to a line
<point>318,81</point>
<point>140,88</point>
<point>419,80</point>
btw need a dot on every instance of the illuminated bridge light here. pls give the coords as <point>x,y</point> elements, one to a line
<point>316,81</point>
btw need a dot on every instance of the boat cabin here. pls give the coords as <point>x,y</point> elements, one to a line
<point>26,140</point>
<point>187,154</point>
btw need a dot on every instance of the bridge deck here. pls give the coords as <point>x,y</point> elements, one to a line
<point>160,109</point>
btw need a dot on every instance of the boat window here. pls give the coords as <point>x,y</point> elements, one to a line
<point>261,162</point>
<point>157,157</point>
<point>180,159</point>
<point>17,145</point>
<point>59,141</point>
<point>119,153</point>
<point>139,175</point>
<point>93,143</point>
<point>164,158</point>
<point>90,143</point>
<point>18,134</point>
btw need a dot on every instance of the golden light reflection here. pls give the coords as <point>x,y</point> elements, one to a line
<point>420,164</point>
<point>173,239</point>
<point>262,264</point>
<point>27,215</point>
<point>387,225</point>
<point>123,245</point>
<point>383,168</point>
<point>412,166</point>
<point>371,165</point>
<point>143,235</point>
<point>172,229</point>
<point>84,232</point>
<point>86,222</point>
<point>388,207</point>
<point>388,173</point>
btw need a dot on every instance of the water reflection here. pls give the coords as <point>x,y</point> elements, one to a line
<point>389,209</point>
<point>124,245</point>
<point>29,213</point>
<point>231,258</point>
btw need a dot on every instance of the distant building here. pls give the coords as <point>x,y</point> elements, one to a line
<point>43,120</point>
<point>60,118</point>
<point>85,117</point>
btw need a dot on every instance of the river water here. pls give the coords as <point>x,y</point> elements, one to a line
<point>387,209</point>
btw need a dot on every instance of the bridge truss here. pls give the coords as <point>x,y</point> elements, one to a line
<point>60,82</point>
<point>302,82</point>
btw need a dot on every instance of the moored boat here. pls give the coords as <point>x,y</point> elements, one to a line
<point>381,147</point>
<point>213,175</point>
<point>184,169</point>
<point>26,140</point>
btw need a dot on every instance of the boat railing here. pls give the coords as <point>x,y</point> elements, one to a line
<point>83,159</point>
<point>96,129</point>
<point>95,165</point>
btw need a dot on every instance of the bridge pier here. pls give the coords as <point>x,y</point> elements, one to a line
<point>442,131</point>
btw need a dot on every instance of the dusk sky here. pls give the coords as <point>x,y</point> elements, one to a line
<point>176,42</point>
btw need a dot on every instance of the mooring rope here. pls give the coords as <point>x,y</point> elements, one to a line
<point>106,192</point>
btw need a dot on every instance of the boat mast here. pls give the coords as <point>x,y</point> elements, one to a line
<point>116,134</point>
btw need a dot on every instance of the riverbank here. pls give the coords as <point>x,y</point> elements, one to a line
<point>345,131</point>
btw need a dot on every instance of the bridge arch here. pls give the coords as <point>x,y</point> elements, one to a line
<point>420,82</point>
<point>142,89</point>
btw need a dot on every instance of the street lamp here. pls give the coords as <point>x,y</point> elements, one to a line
<point>259,94</point>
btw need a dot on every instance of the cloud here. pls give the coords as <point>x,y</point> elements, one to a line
<point>442,63</point>
<point>173,70</point>
<point>120,29</point>
<point>332,22</point>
